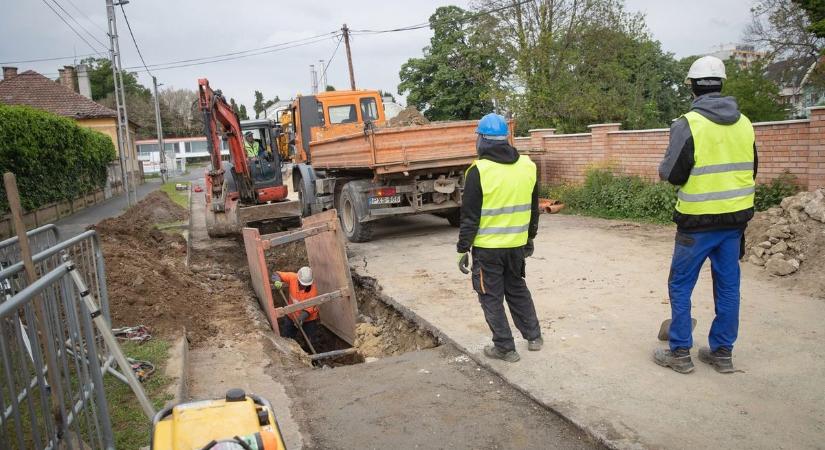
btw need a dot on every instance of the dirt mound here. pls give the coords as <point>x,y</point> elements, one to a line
<point>147,277</point>
<point>789,240</point>
<point>408,116</point>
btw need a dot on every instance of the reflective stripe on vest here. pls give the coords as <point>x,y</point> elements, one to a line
<point>721,180</point>
<point>507,191</point>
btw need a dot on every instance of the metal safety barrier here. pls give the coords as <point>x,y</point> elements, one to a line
<point>52,356</point>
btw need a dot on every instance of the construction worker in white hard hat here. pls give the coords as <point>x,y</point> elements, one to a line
<point>712,158</point>
<point>301,287</point>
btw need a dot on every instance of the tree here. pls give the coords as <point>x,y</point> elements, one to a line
<point>234,106</point>
<point>180,113</point>
<point>758,97</point>
<point>580,62</point>
<point>242,115</point>
<point>460,73</point>
<point>816,14</point>
<point>786,29</point>
<point>102,80</point>
<point>262,105</point>
<point>329,88</point>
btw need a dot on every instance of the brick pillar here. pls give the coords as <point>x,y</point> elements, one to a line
<point>599,145</point>
<point>537,137</point>
<point>539,155</point>
<point>816,150</point>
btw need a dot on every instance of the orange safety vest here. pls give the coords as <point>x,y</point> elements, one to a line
<point>297,295</point>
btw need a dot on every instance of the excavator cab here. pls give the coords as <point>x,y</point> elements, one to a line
<point>266,167</point>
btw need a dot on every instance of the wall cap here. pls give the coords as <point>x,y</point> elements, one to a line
<point>536,130</point>
<point>568,135</point>
<point>524,138</point>
<point>598,125</point>
<point>781,122</point>
<point>816,108</point>
<point>650,130</point>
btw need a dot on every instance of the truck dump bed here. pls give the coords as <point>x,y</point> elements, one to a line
<point>399,149</point>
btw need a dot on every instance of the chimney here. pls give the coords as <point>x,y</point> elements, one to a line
<point>9,72</point>
<point>83,84</point>
<point>67,78</point>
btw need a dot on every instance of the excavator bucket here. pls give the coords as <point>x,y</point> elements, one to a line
<point>327,257</point>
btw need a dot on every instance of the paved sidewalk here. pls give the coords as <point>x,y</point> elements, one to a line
<point>78,222</point>
<point>600,289</point>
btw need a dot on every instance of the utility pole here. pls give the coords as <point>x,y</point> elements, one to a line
<point>124,140</point>
<point>313,79</point>
<point>345,30</point>
<point>159,127</point>
<point>323,82</point>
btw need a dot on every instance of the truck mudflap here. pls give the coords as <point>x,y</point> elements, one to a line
<point>328,259</point>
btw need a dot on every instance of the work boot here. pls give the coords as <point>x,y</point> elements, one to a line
<point>491,351</point>
<point>536,344</point>
<point>721,359</point>
<point>678,360</point>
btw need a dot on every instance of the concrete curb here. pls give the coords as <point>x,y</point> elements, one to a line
<point>177,368</point>
<point>189,229</point>
<point>481,361</point>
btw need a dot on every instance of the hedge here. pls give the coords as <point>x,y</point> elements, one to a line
<point>53,157</point>
<point>605,194</point>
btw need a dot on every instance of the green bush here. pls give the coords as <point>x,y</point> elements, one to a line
<point>53,158</point>
<point>771,194</point>
<point>604,194</point>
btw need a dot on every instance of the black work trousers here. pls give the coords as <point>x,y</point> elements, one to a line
<point>498,275</point>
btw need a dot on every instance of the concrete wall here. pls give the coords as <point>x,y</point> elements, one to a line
<point>797,146</point>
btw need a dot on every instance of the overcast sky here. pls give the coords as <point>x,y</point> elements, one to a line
<point>174,30</point>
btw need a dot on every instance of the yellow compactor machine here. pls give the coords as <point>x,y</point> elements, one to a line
<point>240,421</point>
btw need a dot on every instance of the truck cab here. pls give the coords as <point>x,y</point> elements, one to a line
<point>328,115</point>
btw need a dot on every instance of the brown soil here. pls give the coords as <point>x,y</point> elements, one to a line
<point>408,116</point>
<point>149,283</point>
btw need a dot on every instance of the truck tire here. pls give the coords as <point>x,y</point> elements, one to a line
<point>454,217</point>
<point>350,203</point>
<point>306,208</point>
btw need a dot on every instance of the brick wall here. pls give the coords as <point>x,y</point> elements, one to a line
<point>796,146</point>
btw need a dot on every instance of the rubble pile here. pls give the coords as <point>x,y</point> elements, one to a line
<point>784,237</point>
<point>407,117</point>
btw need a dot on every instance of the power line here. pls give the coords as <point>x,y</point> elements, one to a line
<point>329,61</point>
<point>58,58</point>
<point>82,14</point>
<point>419,26</point>
<point>71,27</point>
<point>137,47</point>
<point>78,23</point>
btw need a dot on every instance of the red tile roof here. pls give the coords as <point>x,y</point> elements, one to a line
<point>32,89</point>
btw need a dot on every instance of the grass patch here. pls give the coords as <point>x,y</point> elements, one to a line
<point>179,197</point>
<point>131,427</point>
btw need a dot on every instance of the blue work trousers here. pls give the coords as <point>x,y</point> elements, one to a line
<point>689,254</point>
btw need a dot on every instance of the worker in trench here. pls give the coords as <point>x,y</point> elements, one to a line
<point>712,157</point>
<point>301,286</point>
<point>499,220</point>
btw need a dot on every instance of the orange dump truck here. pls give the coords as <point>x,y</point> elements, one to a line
<point>347,158</point>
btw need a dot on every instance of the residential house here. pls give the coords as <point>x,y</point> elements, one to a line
<point>61,97</point>
<point>801,83</point>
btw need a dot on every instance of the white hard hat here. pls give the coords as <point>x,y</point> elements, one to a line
<point>305,276</point>
<point>706,67</point>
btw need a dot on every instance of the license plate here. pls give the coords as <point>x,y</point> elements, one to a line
<point>385,200</point>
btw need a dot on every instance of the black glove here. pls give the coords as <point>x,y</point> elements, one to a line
<point>528,248</point>
<point>463,262</point>
<point>302,317</point>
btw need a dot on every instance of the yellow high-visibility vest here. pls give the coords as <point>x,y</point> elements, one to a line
<point>251,149</point>
<point>507,199</point>
<point>721,180</point>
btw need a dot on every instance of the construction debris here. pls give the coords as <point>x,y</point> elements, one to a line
<point>785,237</point>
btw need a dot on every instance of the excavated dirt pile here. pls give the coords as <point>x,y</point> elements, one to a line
<point>407,117</point>
<point>790,238</point>
<point>149,283</point>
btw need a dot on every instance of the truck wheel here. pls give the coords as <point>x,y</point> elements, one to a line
<point>454,217</point>
<point>354,229</point>
<point>306,208</point>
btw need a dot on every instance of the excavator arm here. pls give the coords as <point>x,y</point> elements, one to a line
<point>221,121</point>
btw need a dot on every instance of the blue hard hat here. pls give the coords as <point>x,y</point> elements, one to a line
<point>492,125</point>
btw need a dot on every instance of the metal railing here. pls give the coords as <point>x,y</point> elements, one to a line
<point>51,370</point>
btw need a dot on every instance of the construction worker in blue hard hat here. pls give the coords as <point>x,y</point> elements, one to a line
<point>712,158</point>
<point>499,219</point>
